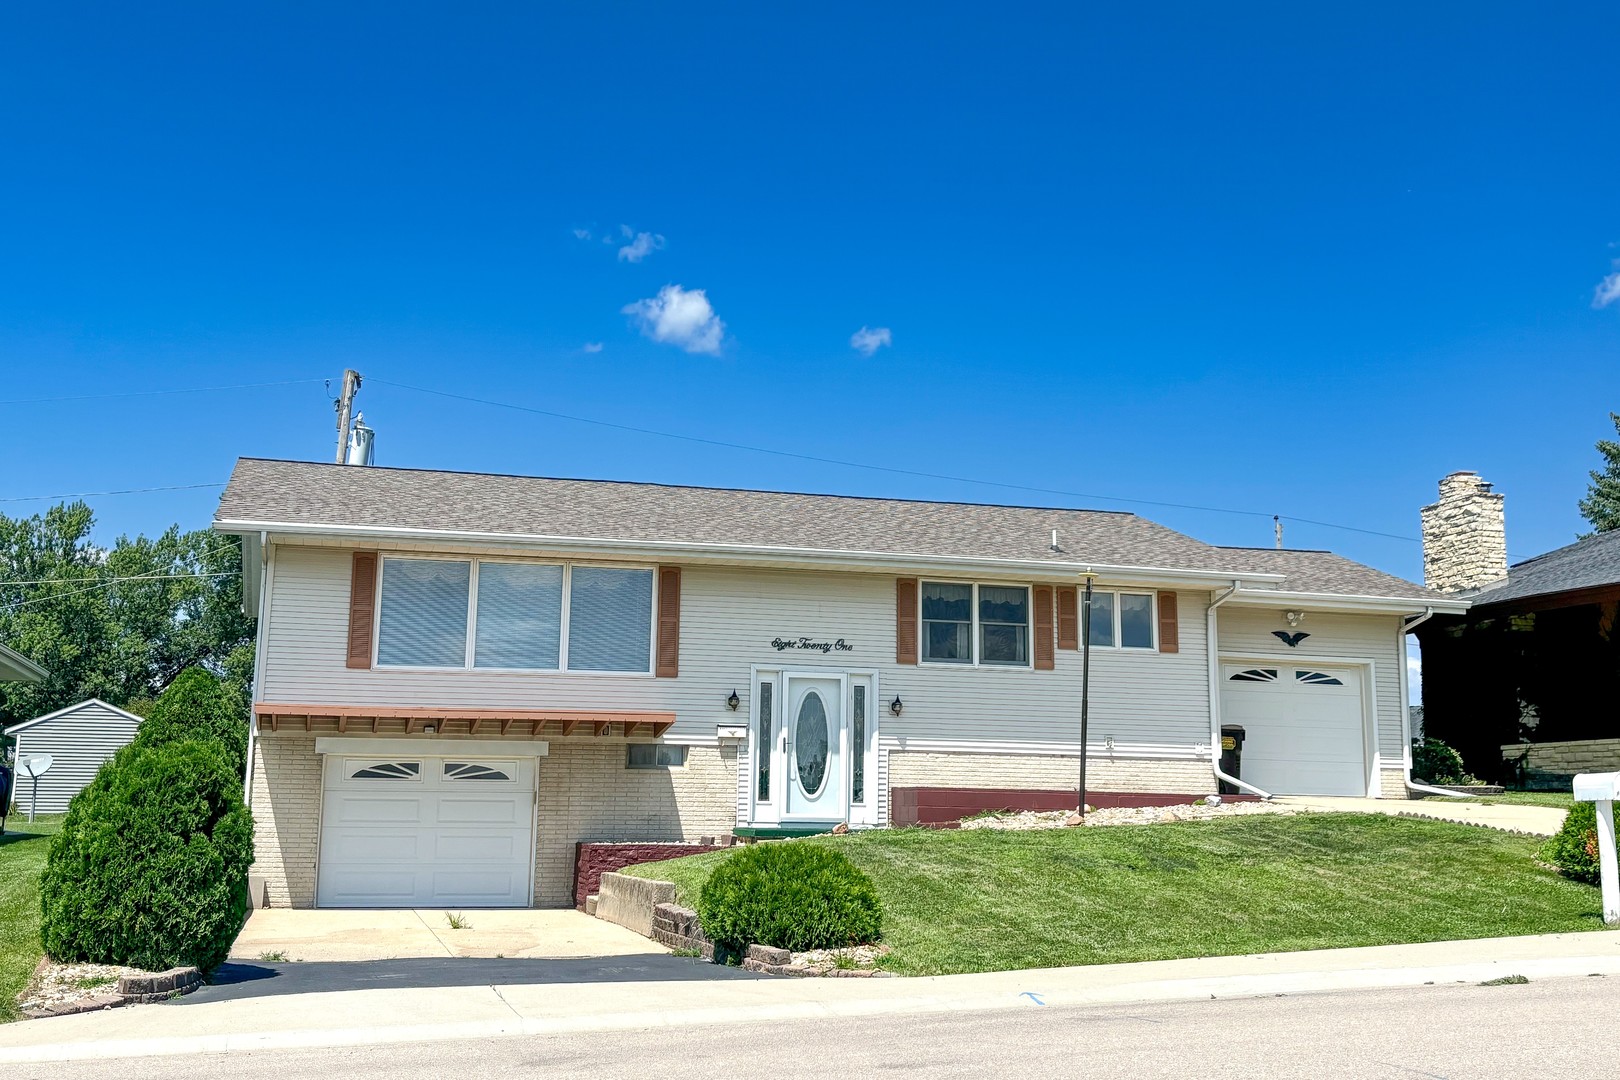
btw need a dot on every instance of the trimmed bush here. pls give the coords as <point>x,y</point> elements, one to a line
<point>1437,763</point>
<point>197,706</point>
<point>790,895</point>
<point>1574,848</point>
<point>150,867</point>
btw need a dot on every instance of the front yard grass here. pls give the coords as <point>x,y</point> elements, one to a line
<point>1563,800</point>
<point>22,858</point>
<point>987,900</point>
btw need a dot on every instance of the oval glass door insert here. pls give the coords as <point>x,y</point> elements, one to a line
<point>810,743</point>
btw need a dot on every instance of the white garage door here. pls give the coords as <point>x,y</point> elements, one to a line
<point>426,832</point>
<point>1304,728</point>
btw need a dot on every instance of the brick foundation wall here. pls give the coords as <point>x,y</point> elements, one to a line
<point>1392,784</point>
<point>1050,773</point>
<point>593,859</point>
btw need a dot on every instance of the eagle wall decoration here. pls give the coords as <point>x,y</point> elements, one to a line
<point>1292,639</point>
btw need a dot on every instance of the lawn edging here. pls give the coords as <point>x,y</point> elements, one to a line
<point>143,989</point>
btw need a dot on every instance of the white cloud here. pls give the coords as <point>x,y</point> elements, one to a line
<point>582,234</point>
<point>1608,290</point>
<point>682,317</point>
<point>593,346</point>
<point>867,341</point>
<point>640,246</point>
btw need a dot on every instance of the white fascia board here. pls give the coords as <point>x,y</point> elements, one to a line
<point>15,667</point>
<point>871,561</point>
<point>429,746</point>
<point>1403,605</point>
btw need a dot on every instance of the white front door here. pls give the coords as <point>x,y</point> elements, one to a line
<point>1305,730</point>
<point>815,749</point>
<point>409,831</point>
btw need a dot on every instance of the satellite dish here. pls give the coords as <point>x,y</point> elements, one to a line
<point>35,765</point>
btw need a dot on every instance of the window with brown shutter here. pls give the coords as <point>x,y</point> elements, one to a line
<point>905,621</point>
<point>1068,617</point>
<point>669,622</point>
<point>362,607</point>
<point>1045,654</point>
<point>1169,627</point>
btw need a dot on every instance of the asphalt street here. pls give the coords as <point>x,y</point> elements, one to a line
<point>1559,1028</point>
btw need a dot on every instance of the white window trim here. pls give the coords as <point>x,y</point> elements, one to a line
<point>472,617</point>
<point>974,632</point>
<point>1118,637</point>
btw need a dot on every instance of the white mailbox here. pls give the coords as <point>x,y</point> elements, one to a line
<point>1603,789</point>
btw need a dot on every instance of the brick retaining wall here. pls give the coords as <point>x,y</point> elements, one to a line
<point>593,858</point>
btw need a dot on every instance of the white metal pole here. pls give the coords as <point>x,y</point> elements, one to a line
<point>1607,872</point>
<point>34,800</point>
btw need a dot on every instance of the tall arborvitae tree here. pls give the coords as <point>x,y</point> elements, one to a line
<point>1601,506</point>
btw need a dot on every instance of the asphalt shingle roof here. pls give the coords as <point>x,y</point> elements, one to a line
<point>306,493</point>
<point>1585,564</point>
<point>1323,572</point>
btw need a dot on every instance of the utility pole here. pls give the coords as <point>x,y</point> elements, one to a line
<point>1276,521</point>
<point>345,407</point>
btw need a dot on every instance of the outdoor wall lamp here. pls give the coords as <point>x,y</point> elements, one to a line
<point>733,701</point>
<point>1294,617</point>
<point>896,705</point>
<point>429,729</point>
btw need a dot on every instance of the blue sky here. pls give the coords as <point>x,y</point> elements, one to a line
<point>1252,257</point>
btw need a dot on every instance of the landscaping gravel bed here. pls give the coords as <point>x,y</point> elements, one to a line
<point>54,984</point>
<point>1124,815</point>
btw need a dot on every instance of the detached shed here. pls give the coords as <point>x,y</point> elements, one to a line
<point>78,739</point>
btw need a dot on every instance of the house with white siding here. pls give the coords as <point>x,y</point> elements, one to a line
<point>78,739</point>
<point>460,676</point>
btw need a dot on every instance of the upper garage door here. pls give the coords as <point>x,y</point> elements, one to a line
<point>1304,727</point>
<point>426,832</point>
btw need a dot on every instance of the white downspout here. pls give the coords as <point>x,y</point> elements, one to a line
<point>261,633</point>
<point>1406,716</point>
<point>1215,697</point>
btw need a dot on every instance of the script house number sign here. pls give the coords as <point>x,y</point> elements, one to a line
<point>804,644</point>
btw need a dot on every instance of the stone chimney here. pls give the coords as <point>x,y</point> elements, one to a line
<point>1464,536</point>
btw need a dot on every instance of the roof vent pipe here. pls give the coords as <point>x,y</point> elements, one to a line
<point>1054,541</point>
<point>360,442</point>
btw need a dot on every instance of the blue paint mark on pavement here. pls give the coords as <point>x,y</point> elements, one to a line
<point>1033,997</point>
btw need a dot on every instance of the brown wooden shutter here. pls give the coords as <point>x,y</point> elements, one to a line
<point>362,607</point>
<point>905,621</point>
<point>1045,654</point>
<point>669,622</point>
<point>1169,626</point>
<point>1068,617</point>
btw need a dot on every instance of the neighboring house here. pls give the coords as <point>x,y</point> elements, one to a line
<point>462,675</point>
<point>1524,683</point>
<point>15,667</point>
<point>78,739</point>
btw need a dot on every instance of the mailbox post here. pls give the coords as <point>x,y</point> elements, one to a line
<point>1603,788</point>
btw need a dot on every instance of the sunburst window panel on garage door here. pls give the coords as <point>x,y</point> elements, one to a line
<point>455,832</point>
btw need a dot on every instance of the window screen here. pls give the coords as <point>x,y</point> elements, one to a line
<point>654,756</point>
<point>610,619</point>
<point>1102,618</point>
<point>947,612</point>
<point>423,619</point>
<point>519,615</point>
<point>1003,625</point>
<point>1136,620</point>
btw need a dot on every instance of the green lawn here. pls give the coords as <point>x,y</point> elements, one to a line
<point>985,900</point>
<point>1563,800</point>
<point>22,857</point>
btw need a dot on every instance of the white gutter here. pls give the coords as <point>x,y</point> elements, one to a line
<point>865,560</point>
<point>1406,715</point>
<point>1349,603</point>
<point>1215,695</point>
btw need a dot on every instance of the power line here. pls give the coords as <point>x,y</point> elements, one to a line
<point>884,468</point>
<point>121,491</point>
<point>157,393</point>
<point>116,580</point>
<point>97,586</point>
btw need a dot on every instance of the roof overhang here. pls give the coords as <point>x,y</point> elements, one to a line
<point>735,554</point>
<point>15,667</point>
<point>414,720</point>
<point>1307,601</point>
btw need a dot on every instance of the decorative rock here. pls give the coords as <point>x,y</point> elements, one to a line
<point>841,828</point>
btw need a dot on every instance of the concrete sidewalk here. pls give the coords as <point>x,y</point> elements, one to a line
<point>366,1017</point>
<point>1510,817</point>
<point>324,934</point>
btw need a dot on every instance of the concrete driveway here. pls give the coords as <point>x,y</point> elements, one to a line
<point>337,936</point>
<point>1509,817</point>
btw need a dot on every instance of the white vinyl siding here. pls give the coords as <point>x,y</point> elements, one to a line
<point>78,741</point>
<point>1249,632</point>
<point>729,616</point>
